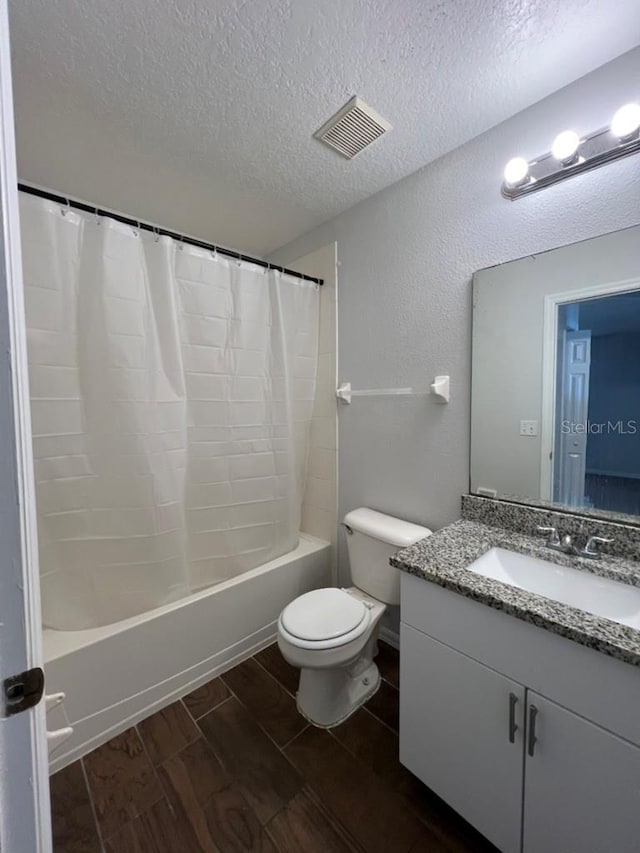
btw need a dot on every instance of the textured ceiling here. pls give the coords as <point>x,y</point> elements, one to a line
<point>200,114</point>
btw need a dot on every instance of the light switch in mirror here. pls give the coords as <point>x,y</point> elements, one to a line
<point>556,377</point>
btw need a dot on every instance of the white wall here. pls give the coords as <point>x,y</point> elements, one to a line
<point>406,258</point>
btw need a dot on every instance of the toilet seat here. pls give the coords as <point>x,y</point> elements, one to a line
<point>324,619</point>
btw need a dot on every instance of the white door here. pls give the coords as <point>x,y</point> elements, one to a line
<point>24,788</point>
<point>574,409</point>
<point>582,786</point>
<point>462,734</point>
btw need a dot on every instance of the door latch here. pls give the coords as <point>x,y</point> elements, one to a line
<point>23,691</point>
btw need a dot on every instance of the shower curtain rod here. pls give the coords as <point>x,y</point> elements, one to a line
<point>145,226</point>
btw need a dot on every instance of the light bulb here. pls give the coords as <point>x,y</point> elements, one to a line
<point>565,146</point>
<point>516,172</point>
<point>626,122</point>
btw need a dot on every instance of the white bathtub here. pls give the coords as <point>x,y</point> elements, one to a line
<point>118,674</point>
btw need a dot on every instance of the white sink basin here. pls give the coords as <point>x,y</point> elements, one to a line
<point>601,596</point>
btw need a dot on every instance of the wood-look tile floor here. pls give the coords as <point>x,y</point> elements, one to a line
<point>234,768</point>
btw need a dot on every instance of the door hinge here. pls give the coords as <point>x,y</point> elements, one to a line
<point>23,691</point>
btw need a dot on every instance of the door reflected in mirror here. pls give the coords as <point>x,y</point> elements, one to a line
<point>555,410</point>
<point>596,446</point>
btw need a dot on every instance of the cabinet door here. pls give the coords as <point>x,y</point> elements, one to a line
<point>456,736</point>
<point>582,786</point>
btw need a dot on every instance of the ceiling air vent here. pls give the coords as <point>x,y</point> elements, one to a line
<point>353,128</point>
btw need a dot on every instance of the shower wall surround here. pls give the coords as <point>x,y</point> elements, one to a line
<point>172,397</point>
<point>320,501</point>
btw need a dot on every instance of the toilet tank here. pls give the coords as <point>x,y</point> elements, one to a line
<point>373,537</point>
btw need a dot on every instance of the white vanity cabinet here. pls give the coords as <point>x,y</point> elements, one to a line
<point>534,739</point>
<point>461,739</point>
<point>581,785</point>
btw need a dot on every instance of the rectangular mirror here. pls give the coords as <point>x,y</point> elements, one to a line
<point>555,409</point>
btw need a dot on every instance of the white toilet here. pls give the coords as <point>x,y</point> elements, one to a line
<point>331,634</point>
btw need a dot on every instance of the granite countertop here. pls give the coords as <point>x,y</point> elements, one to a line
<point>444,556</point>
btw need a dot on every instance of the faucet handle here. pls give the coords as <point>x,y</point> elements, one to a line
<point>553,538</point>
<point>591,548</point>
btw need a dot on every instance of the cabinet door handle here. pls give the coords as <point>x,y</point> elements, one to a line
<point>533,713</point>
<point>513,726</point>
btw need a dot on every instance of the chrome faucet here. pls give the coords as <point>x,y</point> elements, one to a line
<point>590,550</point>
<point>565,544</point>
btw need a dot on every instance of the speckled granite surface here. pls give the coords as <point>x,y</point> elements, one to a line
<point>584,512</point>
<point>526,519</point>
<point>443,558</point>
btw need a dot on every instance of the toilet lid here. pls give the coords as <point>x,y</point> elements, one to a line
<point>323,614</point>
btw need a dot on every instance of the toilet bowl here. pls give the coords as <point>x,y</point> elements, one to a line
<point>331,634</point>
<point>335,652</point>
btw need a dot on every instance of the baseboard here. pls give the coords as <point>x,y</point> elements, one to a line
<point>176,687</point>
<point>390,637</point>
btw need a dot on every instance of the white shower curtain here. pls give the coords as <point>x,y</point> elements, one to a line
<point>172,393</point>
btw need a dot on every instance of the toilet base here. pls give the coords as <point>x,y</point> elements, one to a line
<point>327,697</point>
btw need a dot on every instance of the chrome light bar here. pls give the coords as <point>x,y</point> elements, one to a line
<point>572,155</point>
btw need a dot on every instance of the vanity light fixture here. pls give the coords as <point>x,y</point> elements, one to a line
<point>516,172</point>
<point>571,154</point>
<point>626,122</point>
<point>565,147</point>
